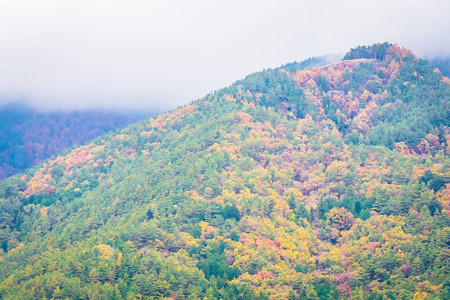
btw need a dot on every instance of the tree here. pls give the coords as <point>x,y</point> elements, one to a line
<point>340,218</point>
<point>149,214</point>
<point>196,231</point>
<point>231,212</point>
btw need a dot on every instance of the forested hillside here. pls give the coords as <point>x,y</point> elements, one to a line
<point>28,136</point>
<point>322,183</point>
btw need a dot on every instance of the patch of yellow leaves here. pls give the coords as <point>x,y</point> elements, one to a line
<point>105,251</point>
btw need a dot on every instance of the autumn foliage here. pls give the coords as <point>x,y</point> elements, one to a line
<point>280,186</point>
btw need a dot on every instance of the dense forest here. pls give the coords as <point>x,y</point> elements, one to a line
<point>309,183</point>
<point>29,136</point>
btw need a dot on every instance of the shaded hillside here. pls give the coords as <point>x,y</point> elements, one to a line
<point>276,187</point>
<point>27,136</point>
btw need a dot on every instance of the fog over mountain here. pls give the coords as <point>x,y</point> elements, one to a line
<point>135,54</point>
<point>441,62</point>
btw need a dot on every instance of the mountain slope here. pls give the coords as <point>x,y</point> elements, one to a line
<point>28,136</point>
<point>275,187</point>
<point>381,102</point>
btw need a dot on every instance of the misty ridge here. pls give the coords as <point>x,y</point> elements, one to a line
<point>29,135</point>
<point>442,62</point>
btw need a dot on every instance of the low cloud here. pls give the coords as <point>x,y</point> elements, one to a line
<point>161,54</point>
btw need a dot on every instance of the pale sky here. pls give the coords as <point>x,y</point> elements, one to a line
<point>161,54</point>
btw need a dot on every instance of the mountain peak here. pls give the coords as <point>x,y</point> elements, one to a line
<point>379,51</point>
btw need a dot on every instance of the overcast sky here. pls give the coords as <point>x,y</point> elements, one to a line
<point>161,54</point>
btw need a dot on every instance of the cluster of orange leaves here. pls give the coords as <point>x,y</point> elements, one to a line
<point>41,181</point>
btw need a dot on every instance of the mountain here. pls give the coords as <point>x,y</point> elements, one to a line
<point>322,183</point>
<point>28,136</point>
